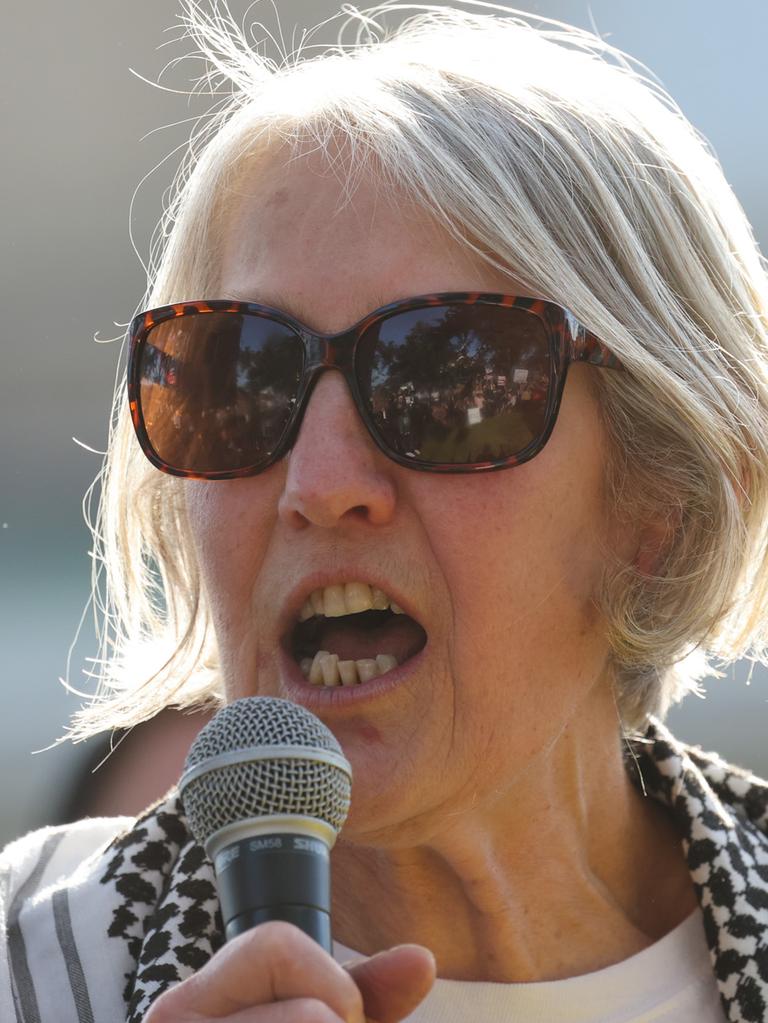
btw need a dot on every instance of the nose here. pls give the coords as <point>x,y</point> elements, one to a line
<point>335,472</point>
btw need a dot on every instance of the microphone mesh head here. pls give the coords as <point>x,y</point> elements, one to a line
<point>306,785</point>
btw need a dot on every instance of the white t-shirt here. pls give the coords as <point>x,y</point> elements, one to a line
<point>671,981</point>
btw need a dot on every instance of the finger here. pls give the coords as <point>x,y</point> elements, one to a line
<point>393,983</point>
<point>297,1010</point>
<point>273,962</point>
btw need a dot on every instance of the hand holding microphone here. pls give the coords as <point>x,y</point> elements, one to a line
<point>266,789</point>
<point>275,973</point>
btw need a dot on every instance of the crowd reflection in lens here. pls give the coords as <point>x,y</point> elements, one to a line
<point>464,383</point>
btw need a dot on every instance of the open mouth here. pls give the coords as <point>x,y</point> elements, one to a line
<point>350,649</point>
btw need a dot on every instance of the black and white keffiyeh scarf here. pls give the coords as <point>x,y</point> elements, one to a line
<point>98,943</point>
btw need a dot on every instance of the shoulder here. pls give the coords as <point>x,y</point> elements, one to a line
<point>721,812</point>
<point>697,783</point>
<point>48,855</point>
<point>86,905</point>
<point>40,874</point>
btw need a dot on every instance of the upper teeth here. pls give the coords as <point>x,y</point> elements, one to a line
<point>346,599</point>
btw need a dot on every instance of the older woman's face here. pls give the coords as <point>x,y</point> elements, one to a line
<point>500,568</point>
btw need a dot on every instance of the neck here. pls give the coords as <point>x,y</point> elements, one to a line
<point>568,870</point>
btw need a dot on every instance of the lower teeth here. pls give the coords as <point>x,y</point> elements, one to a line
<point>326,669</point>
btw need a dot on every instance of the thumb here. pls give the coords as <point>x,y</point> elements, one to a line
<point>393,983</point>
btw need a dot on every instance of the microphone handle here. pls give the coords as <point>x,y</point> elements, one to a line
<point>309,919</point>
<point>275,877</point>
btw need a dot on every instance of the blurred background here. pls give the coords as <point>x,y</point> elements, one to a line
<point>78,135</point>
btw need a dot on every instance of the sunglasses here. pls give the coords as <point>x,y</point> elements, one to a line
<point>455,382</point>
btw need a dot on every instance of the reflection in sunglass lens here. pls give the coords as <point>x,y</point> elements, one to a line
<point>458,383</point>
<point>217,389</point>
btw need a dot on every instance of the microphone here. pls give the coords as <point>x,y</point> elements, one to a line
<point>266,789</point>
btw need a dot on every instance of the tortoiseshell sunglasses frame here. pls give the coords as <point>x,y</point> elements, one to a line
<point>569,342</point>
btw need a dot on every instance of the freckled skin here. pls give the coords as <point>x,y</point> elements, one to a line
<point>479,778</point>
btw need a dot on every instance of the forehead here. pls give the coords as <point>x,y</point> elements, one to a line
<point>298,236</point>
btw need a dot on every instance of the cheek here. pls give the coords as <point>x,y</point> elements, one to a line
<point>523,564</point>
<point>229,536</point>
<point>523,544</point>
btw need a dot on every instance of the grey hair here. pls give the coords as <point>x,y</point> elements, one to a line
<point>547,152</point>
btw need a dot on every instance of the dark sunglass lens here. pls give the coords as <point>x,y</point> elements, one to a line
<point>458,384</point>
<point>216,389</point>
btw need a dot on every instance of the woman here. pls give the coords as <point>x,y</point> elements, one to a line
<point>483,206</point>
